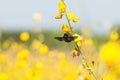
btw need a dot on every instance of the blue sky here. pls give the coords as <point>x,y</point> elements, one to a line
<point>18,14</point>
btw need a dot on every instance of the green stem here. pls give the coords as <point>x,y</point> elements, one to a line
<point>79,51</point>
<point>68,21</point>
<point>86,64</point>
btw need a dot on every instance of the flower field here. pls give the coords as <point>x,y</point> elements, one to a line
<point>66,54</point>
<point>26,57</point>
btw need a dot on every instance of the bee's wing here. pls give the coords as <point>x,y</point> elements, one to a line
<point>59,38</point>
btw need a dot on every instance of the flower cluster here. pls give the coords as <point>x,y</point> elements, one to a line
<point>69,36</point>
<point>62,11</point>
<point>66,28</point>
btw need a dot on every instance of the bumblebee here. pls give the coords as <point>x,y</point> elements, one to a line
<point>66,37</point>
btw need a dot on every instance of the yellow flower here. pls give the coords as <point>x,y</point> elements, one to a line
<point>37,17</point>
<point>23,54</point>
<point>24,36</point>
<point>61,6</point>
<point>110,76</point>
<point>76,20</point>
<point>79,43</point>
<point>68,77</point>
<point>71,16</point>
<point>75,53</point>
<point>2,58</point>
<point>59,16</point>
<point>117,69</point>
<point>36,44</point>
<point>3,76</point>
<point>114,36</point>
<point>5,44</point>
<point>36,77</point>
<point>78,39</point>
<point>63,63</point>
<point>113,73</point>
<point>15,46</point>
<point>39,68</point>
<point>66,28</point>
<point>21,64</point>
<point>43,49</point>
<point>89,42</point>
<point>110,53</point>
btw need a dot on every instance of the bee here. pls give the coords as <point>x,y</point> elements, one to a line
<point>66,37</point>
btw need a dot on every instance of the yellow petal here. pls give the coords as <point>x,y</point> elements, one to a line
<point>75,53</point>
<point>77,37</point>
<point>110,53</point>
<point>70,15</point>
<point>44,49</point>
<point>61,6</point>
<point>76,20</point>
<point>79,43</point>
<point>23,54</point>
<point>66,28</point>
<point>2,58</point>
<point>59,16</point>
